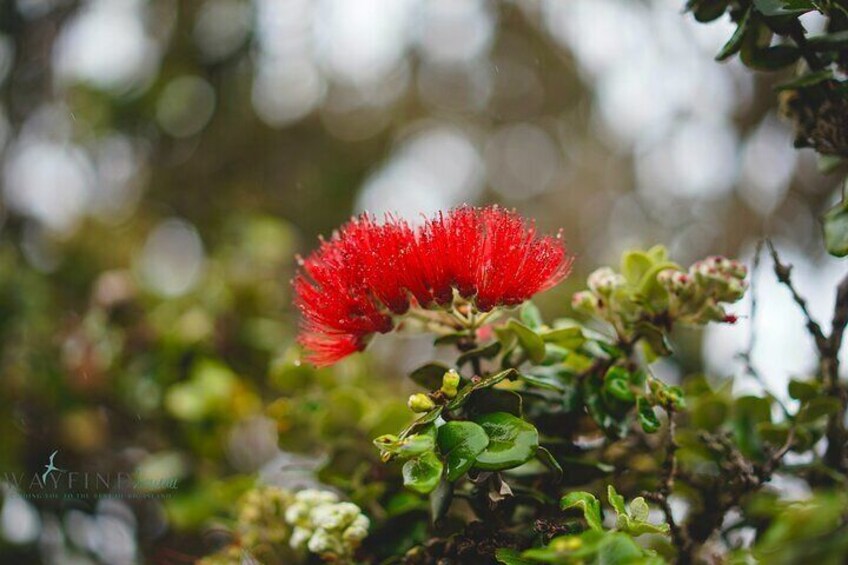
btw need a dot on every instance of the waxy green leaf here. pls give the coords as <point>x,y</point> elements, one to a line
<point>529,340</point>
<point>422,474</point>
<point>460,443</point>
<point>512,441</point>
<point>590,506</point>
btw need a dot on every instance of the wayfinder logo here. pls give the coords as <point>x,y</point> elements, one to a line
<point>58,483</point>
<point>50,468</point>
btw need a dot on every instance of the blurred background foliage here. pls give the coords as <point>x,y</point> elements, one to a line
<point>163,161</point>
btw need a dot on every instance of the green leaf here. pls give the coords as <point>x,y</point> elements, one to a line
<point>617,384</point>
<point>770,58</point>
<point>530,315</point>
<point>772,8</point>
<point>829,41</point>
<point>512,441</point>
<point>542,380</point>
<point>803,390</point>
<point>460,443</point>
<point>708,10</point>
<point>675,397</point>
<point>647,417</point>
<point>427,418</point>
<point>569,338</point>
<point>753,408</point>
<point>529,340</point>
<point>658,253</point>
<point>422,474</point>
<point>450,339</point>
<point>639,509</point>
<point>586,502</point>
<point>710,411</point>
<point>429,375</point>
<point>462,397</point>
<point>654,337</point>
<point>634,264</point>
<point>619,548</point>
<point>818,408</point>
<point>637,528</point>
<point>775,434</point>
<point>507,556</point>
<point>807,79</point>
<point>416,445</point>
<point>548,459</point>
<point>735,43</point>
<point>635,521</point>
<point>496,400</point>
<point>616,501</point>
<point>440,500</point>
<point>485,352</point>
<point>836,231</point>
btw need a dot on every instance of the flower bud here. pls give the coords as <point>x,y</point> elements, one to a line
<point>677,282</point>
<point>357,531</point>
<point>604,280</point>
<point>703,270</point>
<point>585,301</point>
<point>323,543</point>
<point>737,269</point>
<point>450,383</point>
<point>712,312</point>
<point>420,402</point>
<point>666,277</point>
<point>299,537</point>
<point>717,262</point>
<point>566,544</point>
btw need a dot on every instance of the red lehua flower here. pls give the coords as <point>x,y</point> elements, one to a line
<point>349,288</point>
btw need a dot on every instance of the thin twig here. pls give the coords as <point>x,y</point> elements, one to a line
<point>747,356</point>
<point>783,272</point>
<point>774,460</point>
<point>752,333</point>
<point>679,535</point>
<point>837,437</point>
<point>840,318</point>
<point>828,349</point>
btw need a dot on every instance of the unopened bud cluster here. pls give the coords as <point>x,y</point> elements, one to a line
<point>698,296</point>
<point>311,520</point>
<point>325,526</point>
<point>663,296</point>
<point>259,512</point>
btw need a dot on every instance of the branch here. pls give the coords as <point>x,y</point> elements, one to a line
<point>837,438</point>
<point>766,470</point>
<point>828,348</point>
<point>840,318</point>
<point>747,356</point>
<point>679,535</point>
<point>784,276</point>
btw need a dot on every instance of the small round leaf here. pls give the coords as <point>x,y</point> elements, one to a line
<point>512,441</point>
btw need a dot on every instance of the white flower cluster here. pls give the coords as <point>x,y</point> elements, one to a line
<point>325,526</point>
